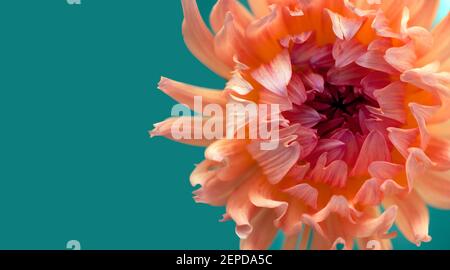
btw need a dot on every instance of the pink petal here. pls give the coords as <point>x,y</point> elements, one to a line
<point>375,60</point>
<point>349,75</point>
<point>276,163</point>
<point>402,139</point>
<point>401,58</point>
<point>369,193</point>
<point>373,81</point>
<point>276,75</point>
<point>344,28</point>
<point>313,80</point>
<point>335,174</point>
<point>305,193</point>
<point>392,101</point>
<point>347,52</point>
<point>334,150</point>
<point>304,115</point>
<point>296,90</point>
<point>374,149</point>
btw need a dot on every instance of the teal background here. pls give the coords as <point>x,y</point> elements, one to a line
<point>77,97</point>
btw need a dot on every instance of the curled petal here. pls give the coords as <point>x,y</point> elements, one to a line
<point>392,101</point>
<point>379,226</point>
<point>402,139</point>
<point>238,84</point>
<point>276,163</point>
<point>335,174</point>
<point>412,217</point>
<point>263,233</point>
<point>344,28</point>
<point>373,149</point>
<point>296,90</point>
<point>431,183</point>
<point>222,7</point>
<point>276,75</point>
<point>347,52</point>
<point>305,193</point>
<point>428,78</point>
<point>369,193</point>
<point>401,58</point>
<point>339,205</point>
<point>199,39</point>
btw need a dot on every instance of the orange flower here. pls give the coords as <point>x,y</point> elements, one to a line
<point>364,92</point>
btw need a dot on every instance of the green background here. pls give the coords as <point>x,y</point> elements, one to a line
<point>77,97</point>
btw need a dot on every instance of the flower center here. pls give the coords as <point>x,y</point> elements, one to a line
<point>339,107</point>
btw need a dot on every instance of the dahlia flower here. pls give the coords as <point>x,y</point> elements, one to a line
<point>363,87</point>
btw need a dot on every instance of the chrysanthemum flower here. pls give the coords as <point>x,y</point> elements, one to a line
<point>365,142</point>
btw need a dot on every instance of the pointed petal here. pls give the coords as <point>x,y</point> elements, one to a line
<point>344,28</point>
<point>373,149</point>
<point>276,163</point>
<point>392,101</point>
<point>185,93</point>
<point>199,39</point>
<point>347,52</point>
<point>401,58</point>
<point>263,233</point>
<point>276,75</point>
<point>174,129</point>
<point>412,217</point>
<point>305,193</point>
<point>402,139</point>
<point>222,7</point>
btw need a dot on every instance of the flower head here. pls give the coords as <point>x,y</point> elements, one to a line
<point>363,90</point>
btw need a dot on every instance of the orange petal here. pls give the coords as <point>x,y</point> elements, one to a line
<point>184,129</point>
<point>440,51</point>
<point>263,233</point>
<point>199,39</point>
<point>276,163</point>
<point>423,12</point>
<point>222,7</point>
<point>185,93</point>
<point>259,7</point>
<point>401,58</point>
<point>305,193</point>
<point>430,182</point>
<point>402,139</point>
<point>412,217</point>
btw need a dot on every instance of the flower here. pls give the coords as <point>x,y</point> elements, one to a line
<point>365,133</point>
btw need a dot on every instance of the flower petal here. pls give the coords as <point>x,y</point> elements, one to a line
<point>222,7</point>
<point>276,75</point>
<point>199,39</point>
<point>412,217</point>
<point>276,163</point>
<point>344,28</point>
<point>373,149</point>
<point>185,93</point>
